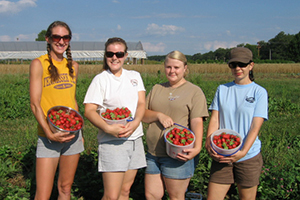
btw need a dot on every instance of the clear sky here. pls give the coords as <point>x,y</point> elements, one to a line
<point>190,26</point>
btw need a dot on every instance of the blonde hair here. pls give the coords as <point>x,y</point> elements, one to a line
<point>177,55</point>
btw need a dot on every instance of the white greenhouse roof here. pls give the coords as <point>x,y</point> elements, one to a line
<point>80,50</point>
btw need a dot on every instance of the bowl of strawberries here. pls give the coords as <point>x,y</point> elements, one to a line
<point>119,115</point>
<point>178,138</point>
<point>226,142</point>
<point>65,119</point>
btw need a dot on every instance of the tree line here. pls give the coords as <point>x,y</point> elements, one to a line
<point>282,48</point>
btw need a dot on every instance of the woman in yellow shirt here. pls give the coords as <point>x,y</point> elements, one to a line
<point>53,82</point>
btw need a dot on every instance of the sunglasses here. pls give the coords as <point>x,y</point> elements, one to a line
<point>233,65</point>
<point>110,54</point>
<point>57,38</point>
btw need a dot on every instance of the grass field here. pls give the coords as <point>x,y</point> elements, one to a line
<point>193,68</point>
<point>280,137</point>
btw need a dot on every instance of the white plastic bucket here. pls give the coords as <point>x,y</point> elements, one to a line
<point>121,121</point>
<point>172,149</point>
<point>225,152</point>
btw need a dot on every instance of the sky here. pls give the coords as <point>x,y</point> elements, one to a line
<point>190,26</point>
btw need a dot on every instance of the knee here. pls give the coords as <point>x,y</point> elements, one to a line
<point>125,192</point>
<point>150,196</point>
<point>110,197</point>
<point>65,189</point>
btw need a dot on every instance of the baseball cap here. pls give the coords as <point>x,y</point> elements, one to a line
<point>240,54</point>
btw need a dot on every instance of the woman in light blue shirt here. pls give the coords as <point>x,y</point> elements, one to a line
<point>242,106</point>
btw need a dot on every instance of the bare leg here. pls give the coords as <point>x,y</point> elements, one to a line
<point>67,170</point>
<point>176,188</point>
<point>45,172</point>
<point>112,182</point>
<point>154,187</point>
<point>127,183</point>
<point>217,191</point>
<point>247,193</point>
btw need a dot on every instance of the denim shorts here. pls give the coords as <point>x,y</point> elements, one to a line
<point>46,149</point>
<point>169,167</point>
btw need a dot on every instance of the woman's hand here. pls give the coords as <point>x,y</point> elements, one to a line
<point>212,153</point>
<point>115,129</point>
<point>191,153</point>
<point>165,120</point>
<point>129,128</point>
<point>233,158</point>
<point>61,137</point>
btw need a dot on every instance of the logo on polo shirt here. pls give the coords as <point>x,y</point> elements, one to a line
<point>134,82</point>
<point>250,99</point>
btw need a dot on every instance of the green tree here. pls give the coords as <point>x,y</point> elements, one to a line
<point>221,54</point>
<point>263,50</point>
<point>254,50</point>
<point>294,48</point>
<point>196,57</point>
<point>279,45</point>
<point>41,36</point>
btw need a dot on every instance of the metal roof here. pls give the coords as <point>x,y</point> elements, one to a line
<point>80,50</point>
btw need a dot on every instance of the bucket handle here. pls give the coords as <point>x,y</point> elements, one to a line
<point>130,119</point>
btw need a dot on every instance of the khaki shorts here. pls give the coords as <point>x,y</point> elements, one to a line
<point>245,173</point>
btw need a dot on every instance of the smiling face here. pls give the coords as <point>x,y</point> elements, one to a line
<point>241,74</point>
<point>175,70</point>
<point>58,48</point>
<point>114,63</point>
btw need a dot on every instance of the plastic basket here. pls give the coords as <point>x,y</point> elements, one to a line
<point>225,152</point>
<point>172,149</point>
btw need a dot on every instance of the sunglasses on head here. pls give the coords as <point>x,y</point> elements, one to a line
<point>233,65</point>
<point>119,54</point>
<point>57,38</point>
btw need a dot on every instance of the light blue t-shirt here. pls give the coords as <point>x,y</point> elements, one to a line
<point>237,105</point>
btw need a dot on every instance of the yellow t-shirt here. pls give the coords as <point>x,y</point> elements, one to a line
<point>58,93</point>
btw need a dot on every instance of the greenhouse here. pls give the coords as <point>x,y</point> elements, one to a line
<point>82,51</point>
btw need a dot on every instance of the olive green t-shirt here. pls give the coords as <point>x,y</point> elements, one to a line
<point>182,104</point>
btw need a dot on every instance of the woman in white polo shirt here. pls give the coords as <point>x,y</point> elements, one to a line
<point>121,150</point>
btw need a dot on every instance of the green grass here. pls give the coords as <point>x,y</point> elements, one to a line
<point>279,135</point>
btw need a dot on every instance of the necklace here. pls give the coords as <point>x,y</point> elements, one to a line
<point>171,97</point>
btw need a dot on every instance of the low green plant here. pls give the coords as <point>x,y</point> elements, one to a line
<point>276,182</point>
<point>279,135</point>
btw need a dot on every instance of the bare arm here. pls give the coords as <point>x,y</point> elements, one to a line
<point>140,111</point>
<point>90,112</point>
<point>212,127</point>
<point>76,68</point>
<point>253,133</point>
<point>197,128</point>
<point>152,116</point>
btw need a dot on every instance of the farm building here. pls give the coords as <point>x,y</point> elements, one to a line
<point>83,51</point>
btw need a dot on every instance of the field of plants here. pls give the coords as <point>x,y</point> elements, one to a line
<point>280,177</point>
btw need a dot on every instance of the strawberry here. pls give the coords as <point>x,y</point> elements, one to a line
<point>180,137</point>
